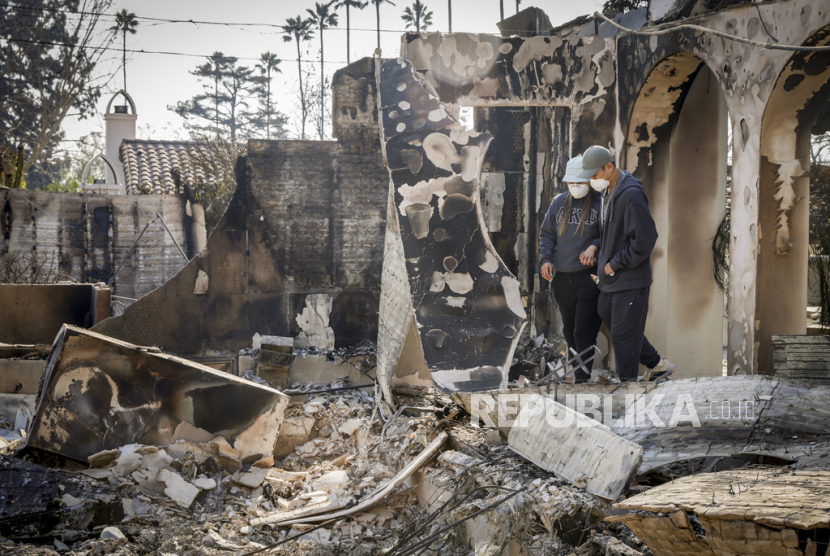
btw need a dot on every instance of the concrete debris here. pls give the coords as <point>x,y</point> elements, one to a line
<point>422,479</point>
<point>99,393</point>
<point>743,417</point>
<point>757,510</point>
<point>180,491</point>
<point>574,446</point>
<point>112,533</point>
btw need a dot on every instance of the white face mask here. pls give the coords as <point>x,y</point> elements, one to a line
<point>600,185</point>
<point>578,190</point>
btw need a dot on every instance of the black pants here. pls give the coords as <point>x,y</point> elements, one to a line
<point>577,296</point>
<point>625,314</point>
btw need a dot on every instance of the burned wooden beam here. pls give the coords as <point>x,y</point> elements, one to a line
<point>99,393</point>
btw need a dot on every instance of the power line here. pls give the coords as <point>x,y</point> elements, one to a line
<point>168,53</point>
<point>195,21</point>
<point>232,24</point>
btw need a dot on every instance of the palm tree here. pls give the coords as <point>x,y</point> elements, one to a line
<point>298,29</point>
<point>322,18</point>
<point>125,22</point>
<point>268,63</point>
<point>417,16</point>
<point>377,4</point>
<point>349,4</point>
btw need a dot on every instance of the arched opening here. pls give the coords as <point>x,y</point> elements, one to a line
<point>677,145</point>
<point>797,108</point>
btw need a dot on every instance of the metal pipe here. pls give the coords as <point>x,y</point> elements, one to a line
<point>163,223</point>
<point>109,282</point>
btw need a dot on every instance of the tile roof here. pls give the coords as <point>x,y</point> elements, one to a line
<point>148,165</point>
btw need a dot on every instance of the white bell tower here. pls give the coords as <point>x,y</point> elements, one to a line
<point>120,120</point>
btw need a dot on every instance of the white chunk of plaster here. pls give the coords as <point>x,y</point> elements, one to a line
<point>404,105</point>
<point>513,295</point>
<point>470,162</point>
<point>202,283</point>
<point>453,301</point>
<point>457,281</point>
<point>180,491</point>
<point>402,87</point>
<point>331,481</point>
<point>490,264</point>
<point>441,151</point>
<point>420,54</point>
<point>314,323</point>
<point>204,483</point>
<point>505,48</point>
<point>436,115</point>
<point>421,193</point>
<point>535,48</point>
<point>401,127</point>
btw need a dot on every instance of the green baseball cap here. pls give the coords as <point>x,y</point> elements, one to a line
<point>594,158</point>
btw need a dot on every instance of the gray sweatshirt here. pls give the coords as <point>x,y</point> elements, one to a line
<point>563,251</point>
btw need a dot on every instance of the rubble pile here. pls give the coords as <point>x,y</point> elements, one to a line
<point>197,496</point>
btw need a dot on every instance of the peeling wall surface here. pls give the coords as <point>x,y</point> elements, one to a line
<point>297,253</point>
<point>467,305</point>
<point>628,92</point>
<point>86,236</point>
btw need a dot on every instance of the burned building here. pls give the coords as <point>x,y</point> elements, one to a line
<point>664,97</point>
<point>422,233</point>
<point>299,249</point>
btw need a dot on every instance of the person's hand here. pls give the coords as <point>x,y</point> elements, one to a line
<point>608,270</point>
<point>589,256</point>
<point>547,271</point>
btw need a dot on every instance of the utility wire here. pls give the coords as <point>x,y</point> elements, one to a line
<point>165,52</point>
<point>229,24</point>
<point>191,21</point>
<point>692,27</point>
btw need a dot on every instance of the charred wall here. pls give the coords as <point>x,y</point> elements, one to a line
<point>354,107</point>
<point>86,236</point>
<point>298,251</point>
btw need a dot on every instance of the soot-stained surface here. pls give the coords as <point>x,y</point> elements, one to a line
<point>100,394</point>
<point>467,304</point>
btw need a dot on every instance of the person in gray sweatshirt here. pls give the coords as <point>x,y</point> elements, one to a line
<point>624,264</point>
<point>568,243</point>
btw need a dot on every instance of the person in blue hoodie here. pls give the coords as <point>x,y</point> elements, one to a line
<point>624,264</point>
<point>568,245</point>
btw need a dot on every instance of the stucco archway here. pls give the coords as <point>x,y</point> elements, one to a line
<point>795,106</point>
<point>677,145</point>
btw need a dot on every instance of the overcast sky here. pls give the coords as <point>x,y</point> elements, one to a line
<point>156,81</point>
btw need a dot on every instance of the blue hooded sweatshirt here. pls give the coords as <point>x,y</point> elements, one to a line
<point>563,251</point>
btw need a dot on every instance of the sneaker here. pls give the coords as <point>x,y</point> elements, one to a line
<point>663,370</point>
